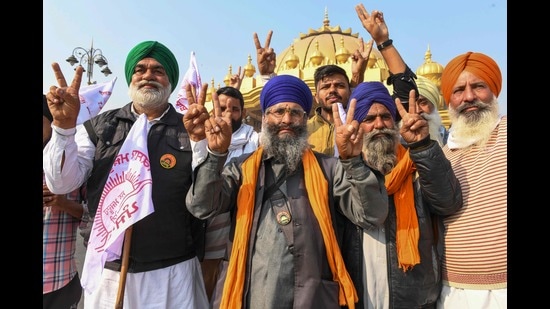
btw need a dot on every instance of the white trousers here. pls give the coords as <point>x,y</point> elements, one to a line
<point>456,298</point>
<point>174,287</point>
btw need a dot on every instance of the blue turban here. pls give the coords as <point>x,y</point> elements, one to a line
<point>368,93</point>
<point>286,88</point>
<point>156,50</point>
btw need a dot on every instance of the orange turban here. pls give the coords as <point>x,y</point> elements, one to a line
<point>478,64</point>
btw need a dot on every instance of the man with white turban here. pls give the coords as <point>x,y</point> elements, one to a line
<point>428,102</point>
<point>477,148</point>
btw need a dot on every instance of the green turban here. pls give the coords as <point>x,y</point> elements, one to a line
<point>156,50</point>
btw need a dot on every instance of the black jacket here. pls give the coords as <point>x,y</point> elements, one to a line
<point>437,192</point>
<point>168,235</point>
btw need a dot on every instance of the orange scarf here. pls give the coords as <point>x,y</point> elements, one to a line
<point>317,188</point>
<point>399,182</point>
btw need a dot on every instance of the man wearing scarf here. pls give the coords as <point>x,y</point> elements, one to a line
<point>163,269</point>
<point>477,149</point>
<point>243,140</point>
<point>402,258</point>
<point>285,201</point>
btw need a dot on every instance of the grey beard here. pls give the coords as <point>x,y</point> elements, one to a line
<point>379,152</point>
<point>149,98</point>
<point>286,149</point>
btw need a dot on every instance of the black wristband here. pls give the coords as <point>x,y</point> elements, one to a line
<point>384,44</point>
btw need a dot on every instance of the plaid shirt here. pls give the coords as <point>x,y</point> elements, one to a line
<point>59,245</point>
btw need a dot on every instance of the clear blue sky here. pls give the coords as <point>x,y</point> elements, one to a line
<point>220,32</point>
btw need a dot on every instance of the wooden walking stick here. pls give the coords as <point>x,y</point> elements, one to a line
<point>124,268</point>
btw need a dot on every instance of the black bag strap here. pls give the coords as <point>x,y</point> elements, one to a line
<point>275,186</point>
<point>91,132</point>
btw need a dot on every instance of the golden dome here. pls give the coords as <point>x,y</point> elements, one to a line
<point>326,45</point>
<point>430,69</point>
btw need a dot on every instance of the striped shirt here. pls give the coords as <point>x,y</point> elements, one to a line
<point>58,246</point>
<point>476,236</point>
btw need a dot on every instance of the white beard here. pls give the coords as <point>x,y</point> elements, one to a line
<point>434,123</point>
<point>474,128</point>
<point>149,98</point>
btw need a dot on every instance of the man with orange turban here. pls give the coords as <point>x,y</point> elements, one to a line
<point>477,149</point>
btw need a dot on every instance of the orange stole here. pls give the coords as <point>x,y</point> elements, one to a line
<point>317,188</point>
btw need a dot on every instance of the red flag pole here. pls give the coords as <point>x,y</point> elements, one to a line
<point>124,267</point>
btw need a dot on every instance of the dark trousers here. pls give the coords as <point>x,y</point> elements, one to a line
<point>65,298</point>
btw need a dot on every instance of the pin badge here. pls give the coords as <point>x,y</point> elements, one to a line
<point>283,218</point>
<point>168,161</point>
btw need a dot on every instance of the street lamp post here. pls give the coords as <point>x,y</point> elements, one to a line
<point>89,57</point>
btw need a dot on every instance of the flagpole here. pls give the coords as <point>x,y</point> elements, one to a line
<point>124,267</point>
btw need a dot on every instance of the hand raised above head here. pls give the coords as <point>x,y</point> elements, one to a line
<point>359,61</point>
<point>374,23</point>
<point>348,135</point>
<point>266,56</point>
<point>236,79</point>
<point>63,100</point>
<point>197,113</point>
<point>414,127</point>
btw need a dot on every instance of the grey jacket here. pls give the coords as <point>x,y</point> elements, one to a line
<point>355,191</point>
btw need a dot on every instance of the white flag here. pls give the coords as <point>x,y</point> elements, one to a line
<point>192,77</point>
<point>93,98</point>
<point>125,200</point>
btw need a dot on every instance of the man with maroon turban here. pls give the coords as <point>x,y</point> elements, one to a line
<point>475,255</point>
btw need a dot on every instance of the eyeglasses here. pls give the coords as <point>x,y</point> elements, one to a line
<point>294,113</point>
<point>372,118</point>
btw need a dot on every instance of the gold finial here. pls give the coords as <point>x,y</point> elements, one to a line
<point>317,57</point>
<point>292,60</point>
<point>342,54</point>
<point>227,78</point>
<point>326,22</point>
<point>209,91</point>
<point>249,68</point>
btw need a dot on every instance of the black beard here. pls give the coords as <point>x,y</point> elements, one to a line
<point>236,124</point>
<point>287,149</point>
<point>380,150</point>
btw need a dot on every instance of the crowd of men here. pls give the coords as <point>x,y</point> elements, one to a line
<point>367,203</point>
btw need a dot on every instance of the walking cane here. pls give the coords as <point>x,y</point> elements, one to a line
<point>124,268</point>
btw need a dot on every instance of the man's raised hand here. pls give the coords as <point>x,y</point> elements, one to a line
<point>63,100</point>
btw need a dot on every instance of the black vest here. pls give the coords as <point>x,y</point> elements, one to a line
<point>170,234</point>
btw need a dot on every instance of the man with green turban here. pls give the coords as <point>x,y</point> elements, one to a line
<point>165,248</point>
<point>158,51</point>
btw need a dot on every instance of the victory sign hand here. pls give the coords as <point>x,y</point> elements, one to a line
<point>63,100</point>
<point>197,113</point>
<point>414,127</point>
<point>265,56</point>
<point>349,135</point>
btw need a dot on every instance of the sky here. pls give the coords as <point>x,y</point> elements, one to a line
<point>220,32</point>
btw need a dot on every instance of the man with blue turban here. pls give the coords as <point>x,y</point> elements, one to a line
<point>286,201</point>
<point>421,186</point>
<point>163,268</point>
